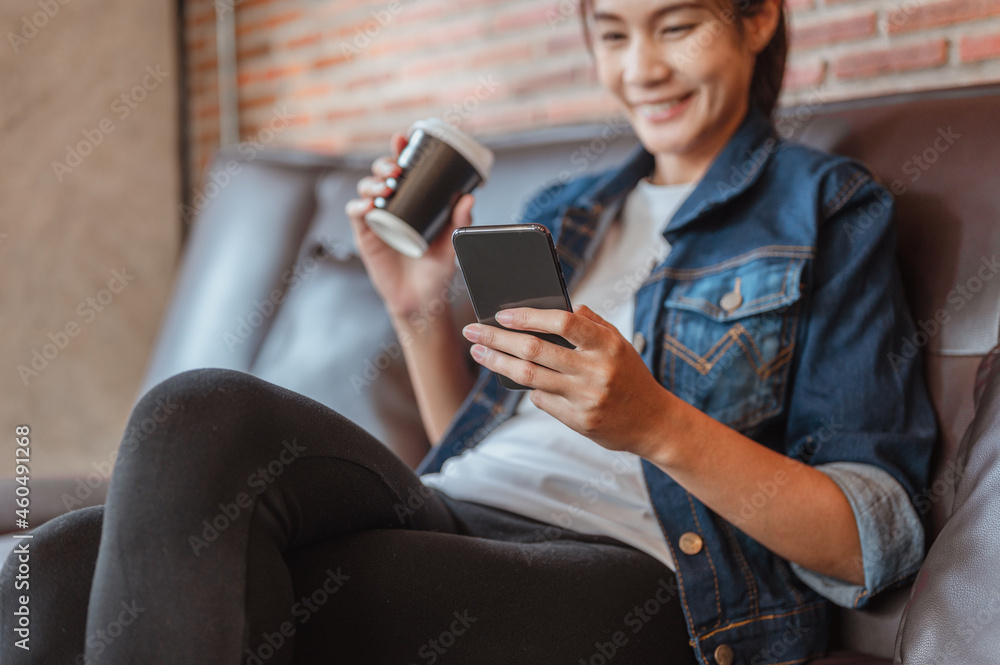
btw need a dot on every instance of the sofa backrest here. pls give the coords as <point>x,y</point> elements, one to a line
<point>936,152</point>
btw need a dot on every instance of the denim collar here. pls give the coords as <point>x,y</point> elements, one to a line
<point>733,170</point>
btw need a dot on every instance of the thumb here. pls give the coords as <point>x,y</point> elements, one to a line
<point>461,216</point>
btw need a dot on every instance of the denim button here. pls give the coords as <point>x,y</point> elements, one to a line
<point>724,654</point>
<point>690,543</point>
<point>639,341</point>
<point>731,301</point>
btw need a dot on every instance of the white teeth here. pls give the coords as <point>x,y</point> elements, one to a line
<point>653,109</point>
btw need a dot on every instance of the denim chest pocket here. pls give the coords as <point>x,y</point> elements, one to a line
<point>729,337</point>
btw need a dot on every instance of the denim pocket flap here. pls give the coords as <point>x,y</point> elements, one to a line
<point>733,292</point>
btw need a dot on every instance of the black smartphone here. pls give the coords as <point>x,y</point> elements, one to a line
<point>511,265</point>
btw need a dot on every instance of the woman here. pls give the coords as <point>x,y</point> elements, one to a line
<point>726,451</point>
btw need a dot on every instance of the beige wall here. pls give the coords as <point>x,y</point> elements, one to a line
<point>63,233</point>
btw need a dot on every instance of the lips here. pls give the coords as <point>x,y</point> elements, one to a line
<point>653,109</point>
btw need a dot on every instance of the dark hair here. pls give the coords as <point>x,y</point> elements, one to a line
<point>769,68</point>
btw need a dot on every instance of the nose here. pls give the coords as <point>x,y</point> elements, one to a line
<point>644,63</point>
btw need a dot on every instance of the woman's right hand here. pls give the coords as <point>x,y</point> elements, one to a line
<point>406,285</point>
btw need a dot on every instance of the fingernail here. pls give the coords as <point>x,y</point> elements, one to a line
<point>471,332</point>
<point>478,352</point>
<point>504,316</point>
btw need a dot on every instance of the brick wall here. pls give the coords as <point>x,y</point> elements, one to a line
<point>340,76</point>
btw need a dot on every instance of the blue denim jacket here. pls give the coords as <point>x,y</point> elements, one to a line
<point>774,312</point>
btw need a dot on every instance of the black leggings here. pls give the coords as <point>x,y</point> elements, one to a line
<point>254,525</point>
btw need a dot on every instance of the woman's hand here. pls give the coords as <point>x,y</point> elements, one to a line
<point>406,285</point>
<point>601,389</point>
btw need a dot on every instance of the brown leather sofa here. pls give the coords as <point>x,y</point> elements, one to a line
<point>270,284</point>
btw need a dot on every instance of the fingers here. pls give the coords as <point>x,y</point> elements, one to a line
<point>575,328</point>
<point>519,345</point>
<point>383,169</point>
<point>460,216</point>
<point>525,372</point>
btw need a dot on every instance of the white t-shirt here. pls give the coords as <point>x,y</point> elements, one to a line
<point>534,465</point>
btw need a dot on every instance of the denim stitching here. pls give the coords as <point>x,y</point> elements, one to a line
<point>747,574</point>
<point>708,555</point>
<point>776,251</point>
<point>846,191</point>
<point>766,617</point>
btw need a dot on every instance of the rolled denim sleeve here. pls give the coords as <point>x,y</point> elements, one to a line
<point>892,535</point>
<point>857,397</point>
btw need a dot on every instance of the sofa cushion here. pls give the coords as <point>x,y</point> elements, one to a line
<point>953,615</point>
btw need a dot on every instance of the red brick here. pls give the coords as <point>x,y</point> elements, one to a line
<point>567,111</point>
<point>329,61</point>
<point>304,40</point>
<point>807,75</point>
<point>501,54</point>
<point>424,10</point>
<point>505,119</point>
<point>832,31</point>
<point>306,92</point>
<point>891,60</point>
<point>206,65</point>
<point>251,52</point>
<point>210,111</point>
<point>980,47</point>
<point>940,13</point>
<point>422,68</point>
<point>257,102</point>
<point>206,17</point>
<point>368,80</point>
<point>268,73</point>
<point>546,81</point>
<point>567,41</point>
<point>529,17</point>
<point>343,114</point>
<point>269,22</point>
<point>408,103</point>
<point>247,4</point>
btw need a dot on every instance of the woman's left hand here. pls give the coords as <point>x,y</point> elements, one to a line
<point>601,389</point>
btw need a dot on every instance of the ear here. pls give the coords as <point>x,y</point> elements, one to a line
<point>760,27</point>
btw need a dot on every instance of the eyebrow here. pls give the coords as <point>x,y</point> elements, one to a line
<point>656,13</point>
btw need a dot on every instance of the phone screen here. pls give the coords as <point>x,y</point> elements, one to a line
<point>512,265</point>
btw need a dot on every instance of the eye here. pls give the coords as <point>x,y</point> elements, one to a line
<point>611,36</point>
<point>678,29</point>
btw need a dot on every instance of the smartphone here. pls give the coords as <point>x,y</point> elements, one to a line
<point>511,265</point>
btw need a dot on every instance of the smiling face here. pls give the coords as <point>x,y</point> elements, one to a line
<point>681,69</point>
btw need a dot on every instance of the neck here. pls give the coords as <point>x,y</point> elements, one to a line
<point>679,168</point>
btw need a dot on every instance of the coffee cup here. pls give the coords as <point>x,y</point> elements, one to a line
<point>439,165</point>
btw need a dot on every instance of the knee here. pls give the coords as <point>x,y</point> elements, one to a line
<point>187,396</point>
<point>64,546</point>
